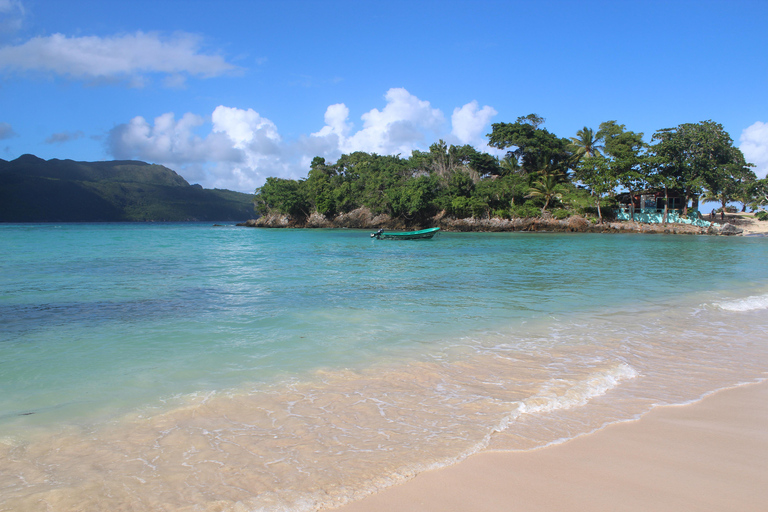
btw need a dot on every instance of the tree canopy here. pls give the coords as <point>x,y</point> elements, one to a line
<point>541,172</point>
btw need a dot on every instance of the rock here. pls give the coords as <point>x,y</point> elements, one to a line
<point>318,220</point>
<point>730,229</point>
<point>275,220</point>
<point>577,223</point>
<point>363,218</point>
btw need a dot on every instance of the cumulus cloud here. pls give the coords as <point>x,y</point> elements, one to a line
<point>61,137</point>
<point>130,57</point>
<point>470,122</point>
<point>168,140</point>
<point>754,145</point>
<point>6,131</point>
<point>400,127</point>
<point>242,148</point>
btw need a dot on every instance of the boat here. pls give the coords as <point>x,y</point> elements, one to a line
<point>422,234</point>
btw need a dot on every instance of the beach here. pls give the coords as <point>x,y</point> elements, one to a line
<point>711,455</point>
<point>745,221</point>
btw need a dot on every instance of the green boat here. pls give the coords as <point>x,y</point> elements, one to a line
<point>422,234</point>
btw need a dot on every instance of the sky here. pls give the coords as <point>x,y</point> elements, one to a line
<point>228,93</point>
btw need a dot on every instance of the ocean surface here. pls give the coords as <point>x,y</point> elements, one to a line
<point>148,367</point>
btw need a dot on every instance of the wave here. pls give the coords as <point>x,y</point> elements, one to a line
<point>577,394</point>
<point>753,303</point>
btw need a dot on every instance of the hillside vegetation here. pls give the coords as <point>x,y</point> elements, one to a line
<point>36,190</point>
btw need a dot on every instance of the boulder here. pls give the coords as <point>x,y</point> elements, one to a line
<point>578,224</point>
<point>730,229</point>
<point>318,220</point>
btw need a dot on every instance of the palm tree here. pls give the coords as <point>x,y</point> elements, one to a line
<point>586,144</point>
<point>546,187</point>
<point>510,164</point>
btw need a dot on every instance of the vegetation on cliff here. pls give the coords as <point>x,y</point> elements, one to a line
<point>540,175</point>
<point>36,190</point>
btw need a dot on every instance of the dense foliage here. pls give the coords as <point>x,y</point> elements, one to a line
<point>540,173</point>
<point>36,190</point>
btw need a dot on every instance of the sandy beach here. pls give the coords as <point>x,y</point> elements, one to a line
<point>745,221</point>
<point>711,456</point>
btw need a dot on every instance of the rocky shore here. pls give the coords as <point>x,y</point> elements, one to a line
<point>363,218</point>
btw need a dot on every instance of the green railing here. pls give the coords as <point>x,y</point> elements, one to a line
<point>654,216</point>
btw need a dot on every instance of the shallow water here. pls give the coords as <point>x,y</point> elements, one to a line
<point>191,367</point>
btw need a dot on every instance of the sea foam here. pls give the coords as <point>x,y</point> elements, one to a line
<point>575,395</point>
<point>754,303</point>
<point>580,393</point>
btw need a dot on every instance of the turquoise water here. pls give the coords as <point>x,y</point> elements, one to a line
<point>350,361</point>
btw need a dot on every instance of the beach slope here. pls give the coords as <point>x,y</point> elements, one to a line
<point>708,456</point>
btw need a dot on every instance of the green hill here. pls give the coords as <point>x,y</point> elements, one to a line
<point>37,190</point>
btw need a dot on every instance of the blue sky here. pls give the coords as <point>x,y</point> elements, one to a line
<point>227,93</point>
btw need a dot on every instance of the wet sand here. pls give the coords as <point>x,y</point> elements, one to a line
<point>708,456</point>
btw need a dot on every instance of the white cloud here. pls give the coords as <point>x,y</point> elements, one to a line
<point>6,131</point>
<point>12,15</point>
<point>470,121</point>
<point>335,122</point>
<point>128,57</point>
<point>171,141</point>
<point>754,145</point>
<point>242,148</point>
<point>399,128</point>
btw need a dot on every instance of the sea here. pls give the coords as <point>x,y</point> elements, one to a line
<point>196,367</point>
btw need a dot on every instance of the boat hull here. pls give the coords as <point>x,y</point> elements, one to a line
<point>422,234</point>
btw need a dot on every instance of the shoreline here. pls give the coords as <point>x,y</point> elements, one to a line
<point>732,224</point>
<point>709,455</point>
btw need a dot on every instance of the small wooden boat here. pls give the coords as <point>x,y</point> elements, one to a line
<point>422,234</point>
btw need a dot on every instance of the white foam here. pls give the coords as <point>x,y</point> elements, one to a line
<point>580,393</point>
<point>754,303</point>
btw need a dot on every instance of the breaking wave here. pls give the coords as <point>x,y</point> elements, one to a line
<point>753,303</point>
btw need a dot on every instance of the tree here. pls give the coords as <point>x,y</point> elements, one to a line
<point>509,165</point>
<point>412,197</point>
<point>530,144</point>
<point>758,190</point>
<point>595,173</point>
<point>282,195</point>
<point>698,156</point>
<point>733,182</point>
<point>320,187</point>
<point>585,144</point>
<point>547,187</point>
<point>626,157</point>
<point>444,160</point>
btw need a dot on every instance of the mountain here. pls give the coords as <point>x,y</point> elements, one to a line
<point>37,190</point>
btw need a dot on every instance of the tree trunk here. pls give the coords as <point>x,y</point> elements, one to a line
<point>666,205</point>
<point>599,213</point>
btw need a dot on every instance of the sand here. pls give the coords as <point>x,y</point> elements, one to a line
<point>708,456</point>
<point>745,221</point>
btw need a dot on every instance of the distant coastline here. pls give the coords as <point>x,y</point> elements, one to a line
<point>37,190</point>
